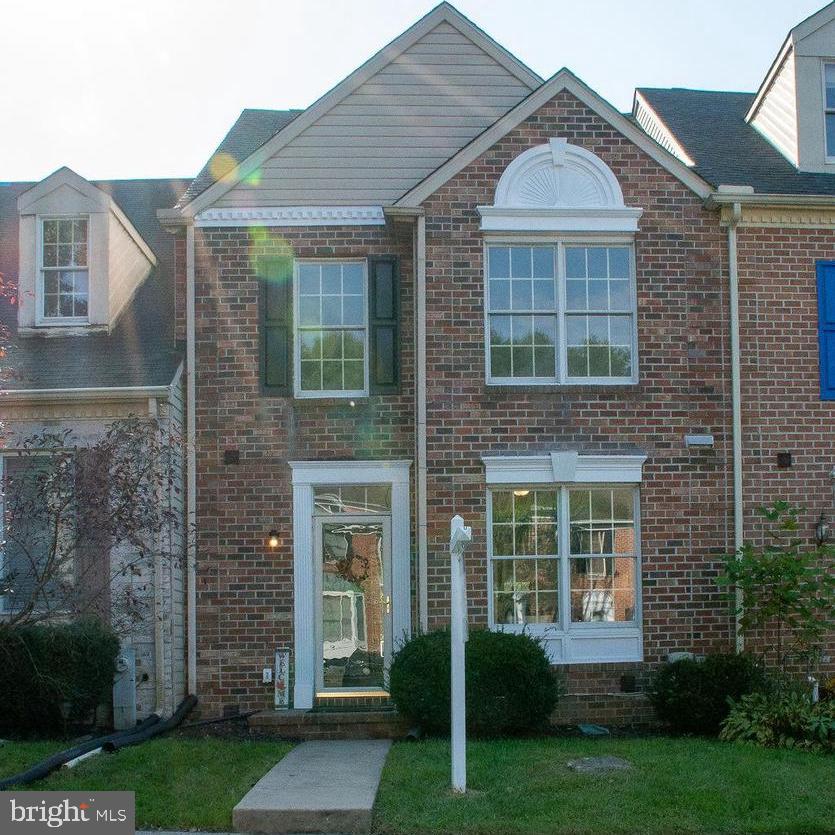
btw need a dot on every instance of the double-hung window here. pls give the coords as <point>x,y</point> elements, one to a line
<point>560,313</point>
<point>829,109</point>
<point>64,282</point>
<point>332,328</point>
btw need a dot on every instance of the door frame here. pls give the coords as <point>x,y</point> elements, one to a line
<point>384,521</point>
<point>305,476</point>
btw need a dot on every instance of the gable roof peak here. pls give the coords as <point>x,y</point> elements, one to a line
<point>442,13</point>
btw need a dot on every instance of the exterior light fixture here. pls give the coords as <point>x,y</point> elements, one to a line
<point>823,535</point>
<point>273,539</point>
<point>521,493</point>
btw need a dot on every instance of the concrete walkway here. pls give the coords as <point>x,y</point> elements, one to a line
<point>322,786</point>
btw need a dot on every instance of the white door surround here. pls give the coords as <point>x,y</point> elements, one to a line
<point>306,476</point>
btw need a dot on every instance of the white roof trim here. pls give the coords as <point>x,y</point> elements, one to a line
<point>293,216</point>
<point>563,80</point>
<point>564,468</point>
<point>443,13</point>
<point>776,66</point>
<point>812,23</point>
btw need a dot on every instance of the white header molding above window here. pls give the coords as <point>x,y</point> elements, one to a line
<point>558,187</point>
<point>564,468</point>
<point>293,216</point>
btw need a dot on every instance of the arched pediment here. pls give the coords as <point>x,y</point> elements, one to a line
<point>559,187</point>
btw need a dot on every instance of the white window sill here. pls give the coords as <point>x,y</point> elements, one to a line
<point>554,383</point>
<point>330,395</point>
<point>63,329</point>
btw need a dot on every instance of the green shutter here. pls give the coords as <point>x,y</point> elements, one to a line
<point>384,324</point>
<point>276,278</point>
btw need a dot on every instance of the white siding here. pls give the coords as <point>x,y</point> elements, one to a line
<point>648,119</point>
<point>128,267</point>
<point>391,132</point>
<point>776,117</point>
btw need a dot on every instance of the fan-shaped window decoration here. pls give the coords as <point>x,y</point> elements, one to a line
<point>559,187</point>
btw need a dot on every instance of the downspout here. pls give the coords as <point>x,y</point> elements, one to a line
<point>159,642</point>
<point>736,407</point>
<point>191,472</point>
<point>420,421</point>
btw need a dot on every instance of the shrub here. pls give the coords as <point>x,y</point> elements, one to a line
<point>693,696</point>
<point>511,687</point>
<point>782,719</point>
<point>52,677</point>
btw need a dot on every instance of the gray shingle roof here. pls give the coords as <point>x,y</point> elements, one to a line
<point>726,149</point>
<point>141,350</point>
<point>252,129</point>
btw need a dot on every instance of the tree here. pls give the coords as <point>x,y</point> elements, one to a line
<point>86,526</point>
<point>785,585</point>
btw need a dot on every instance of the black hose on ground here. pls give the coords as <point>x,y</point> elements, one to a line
<point>186,706</point>
<point>50,764</point>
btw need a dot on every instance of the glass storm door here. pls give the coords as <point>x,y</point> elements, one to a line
<point>354,602</point>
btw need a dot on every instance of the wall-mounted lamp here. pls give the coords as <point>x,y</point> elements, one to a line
<point>272,541</point>
<point>823,534</point>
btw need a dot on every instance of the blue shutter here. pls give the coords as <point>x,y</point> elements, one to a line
<point>826,327</point>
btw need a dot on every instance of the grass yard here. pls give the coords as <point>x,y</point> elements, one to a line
<point>516,786</point>
<point>676,785</point>
<point>179,783</point>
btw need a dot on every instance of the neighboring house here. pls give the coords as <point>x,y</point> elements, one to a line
<point>92,340</point>
<point>449,286</point>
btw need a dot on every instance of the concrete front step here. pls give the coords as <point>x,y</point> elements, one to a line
<point>322,724</point>
<point>318,787</point>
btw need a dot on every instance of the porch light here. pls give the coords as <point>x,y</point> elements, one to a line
<point>521,493</point>
<point>822,532</point>
<point>273,539</point>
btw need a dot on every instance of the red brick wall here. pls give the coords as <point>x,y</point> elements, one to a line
<point>683,388</point>
<point>245,591</point>
<point>782,409</point>
<point>180,286</point>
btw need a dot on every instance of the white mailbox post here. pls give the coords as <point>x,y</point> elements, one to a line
<point>458,538</point>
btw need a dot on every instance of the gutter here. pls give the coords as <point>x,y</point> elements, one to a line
<point>75,394</point>
<point>191,473</point>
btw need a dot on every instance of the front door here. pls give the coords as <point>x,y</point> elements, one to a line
<point>353,619</point>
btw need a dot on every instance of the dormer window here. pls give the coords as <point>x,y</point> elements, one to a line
<point>64,286</point>
<point>829,109</point>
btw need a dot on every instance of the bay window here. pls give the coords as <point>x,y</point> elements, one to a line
<point>564,566</point>
<point>560,313</point>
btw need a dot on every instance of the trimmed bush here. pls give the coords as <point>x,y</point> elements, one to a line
<point>52,677</point>
<point>782,719</point>
<point>511,687</point>
<point>694,696</point>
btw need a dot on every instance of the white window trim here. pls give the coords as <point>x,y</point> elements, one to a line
<point>42,321</point>
<point>567,642</point>
<point>560,243</point>
<point>306,475</point>
<point>828,157</point>
<point>297,362</point>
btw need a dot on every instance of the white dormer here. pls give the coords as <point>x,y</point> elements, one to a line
<point>795,106</point>
<point>81,259</point>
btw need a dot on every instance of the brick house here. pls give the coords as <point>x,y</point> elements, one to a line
<point>449,286</point>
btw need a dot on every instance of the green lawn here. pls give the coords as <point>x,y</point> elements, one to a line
<point>179,783</point>
<point>516,786</point>
<point>681,785</point>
